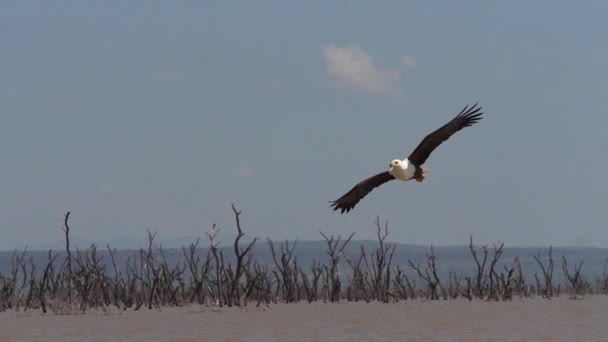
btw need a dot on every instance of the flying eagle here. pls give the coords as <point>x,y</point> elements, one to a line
<point>411,167</point>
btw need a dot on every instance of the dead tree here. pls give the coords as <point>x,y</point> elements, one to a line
<point>88,279</point>
<point>148,276</point>
<point>219,264</point>
<point>381,264</point>
<point>334,250</point>
<point>507,281</point>
<point>259,282</point>
<point>199,275</point>
<point>454,282</point>
<point>520,281</point>
<point>118,286</point>
<point>479,287</point>
<point>493,286</point>
<point>137,284</point>
<point>429,276</point>
<point>359,287</point>
<point>405,289</point>
<point>547,290</point>
<point>310,283</point>
<point>602,281</point>
<point>66,229</point>
<point>48,274</point>
<point>469,291</point>
<point>21,266</point>
<point>288,268</point>
<point>169,281</point>
<point>240,254</point>
<point>575,280</point>
<point>11,292</point>
<point>33,286</point>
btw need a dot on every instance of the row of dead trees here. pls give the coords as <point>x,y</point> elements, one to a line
<point>83,281</point>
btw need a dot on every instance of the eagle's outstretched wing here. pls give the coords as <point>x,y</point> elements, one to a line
<point>351,198</point>
<point>464,119</point>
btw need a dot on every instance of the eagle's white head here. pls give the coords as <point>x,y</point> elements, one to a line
<point>397,169</point>
<point>402,169</point>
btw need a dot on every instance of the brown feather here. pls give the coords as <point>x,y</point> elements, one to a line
<point>351,198</point>
<point>464,119</point>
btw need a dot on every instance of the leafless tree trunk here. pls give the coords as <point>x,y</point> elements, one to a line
<point>359,283</point>
<point>506,279</point>
<point>493,276</point>
<point>32,286</point>
<point>575,280</point>
<point>199,274</point>
<point>219,263</point>
<point>547,291</point>
<point>602,282</point>
<point>47,275</point>
<point>240,258</point>
<point>334,250</point>
<point>66,229</point>
<point>311,282</point>
<point>480,288</point>
<point>454,285</point>
<point>381,270</point>
<point>119,285</point>
<point>520,282</point>
<point>403,285</point>
<point>429,276</point>
<point>288,267</point>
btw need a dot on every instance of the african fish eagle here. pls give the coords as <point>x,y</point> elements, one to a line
<point>411,167</point>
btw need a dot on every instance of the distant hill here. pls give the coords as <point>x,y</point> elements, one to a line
<point>449,258</point>
<point>129,242</point>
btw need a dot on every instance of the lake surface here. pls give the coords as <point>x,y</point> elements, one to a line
<point>454,320</point>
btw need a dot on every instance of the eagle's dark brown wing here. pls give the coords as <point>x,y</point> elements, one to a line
<point>467,117</point>
<point>351,198</point>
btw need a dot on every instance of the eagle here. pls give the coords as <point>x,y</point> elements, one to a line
<point>411,167</point>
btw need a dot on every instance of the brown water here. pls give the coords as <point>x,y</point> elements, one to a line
<point>455,320</point>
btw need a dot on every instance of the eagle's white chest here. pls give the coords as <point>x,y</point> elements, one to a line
<point>403,171</point>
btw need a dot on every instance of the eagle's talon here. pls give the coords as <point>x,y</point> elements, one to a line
<point>422,176</point>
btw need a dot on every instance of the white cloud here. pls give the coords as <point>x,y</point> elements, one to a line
<point>352,67</point>
<point>408,61</point>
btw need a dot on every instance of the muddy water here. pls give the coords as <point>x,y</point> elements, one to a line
<point>455,320</point>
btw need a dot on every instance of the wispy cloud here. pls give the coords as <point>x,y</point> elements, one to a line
<point>106,187</point>
<point>352,67</point>
<point>167,75</point>
<point>88,39</point>
<point>244,171</point>
<point>408,61</point>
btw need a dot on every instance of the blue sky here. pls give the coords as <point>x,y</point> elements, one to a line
<point>157,115</point>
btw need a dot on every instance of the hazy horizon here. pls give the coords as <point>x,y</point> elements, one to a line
<point>158,115</point>
<point>226,240</point>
